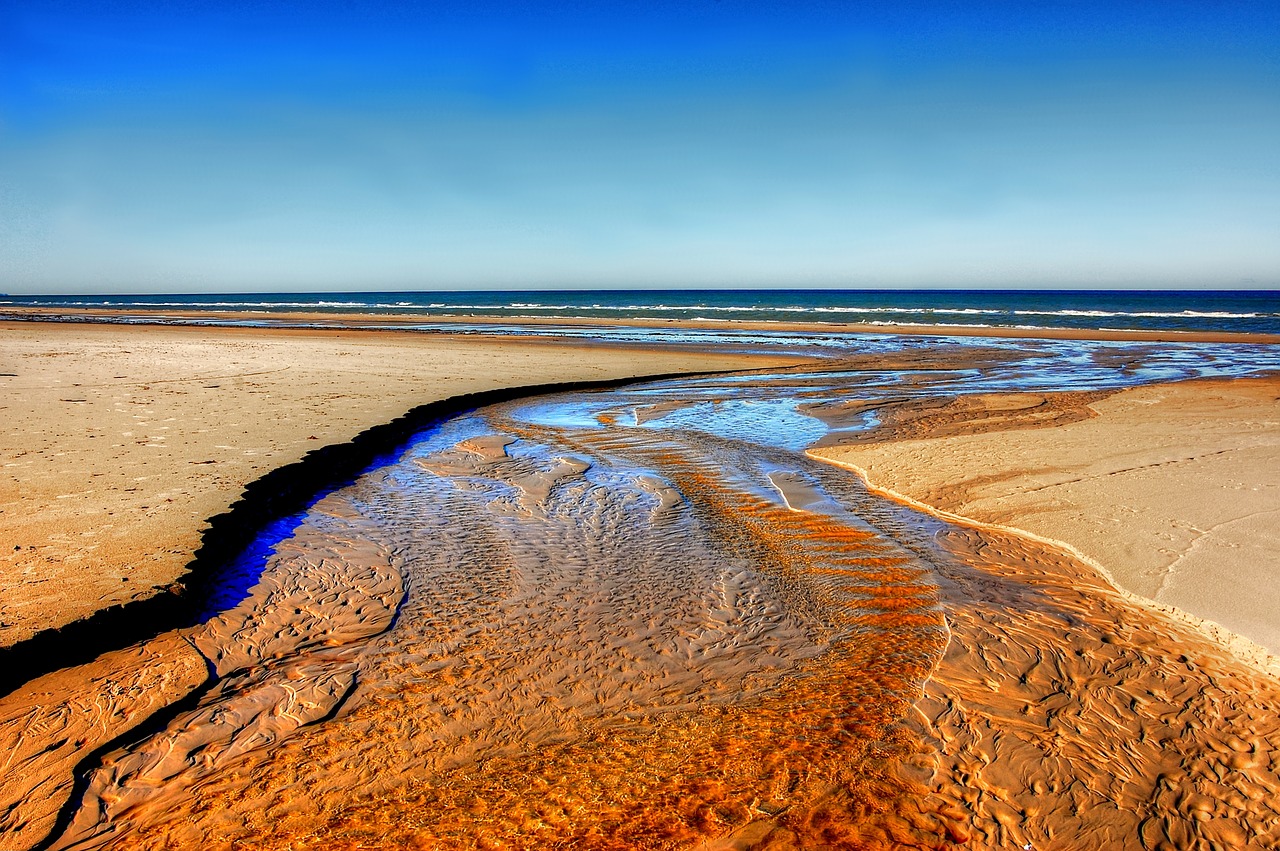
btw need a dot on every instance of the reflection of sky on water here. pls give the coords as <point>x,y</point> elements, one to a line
<point>765,408</point>
<point>561,412</point>
<point>234,580</point>
<point>730,339</point>
<point>1085,365</point>
<point>1043,365</point>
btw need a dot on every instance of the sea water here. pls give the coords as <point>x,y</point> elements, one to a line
<point>1179,310</point>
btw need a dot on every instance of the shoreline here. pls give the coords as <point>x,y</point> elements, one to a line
<point>171,584</point>
<point>373,321</point>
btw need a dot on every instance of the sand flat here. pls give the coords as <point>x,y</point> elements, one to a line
<point>776,657</point>
<point>556,620</point>
<point>1173,488</point>
<point>120,441</point>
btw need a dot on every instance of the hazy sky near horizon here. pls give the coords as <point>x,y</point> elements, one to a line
<point>195,146</point>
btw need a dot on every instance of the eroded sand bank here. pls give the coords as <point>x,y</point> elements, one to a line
<point>1173,488</point>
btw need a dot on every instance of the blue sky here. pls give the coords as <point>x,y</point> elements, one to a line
<point>187,146</point>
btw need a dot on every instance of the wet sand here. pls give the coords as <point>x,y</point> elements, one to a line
<point>614,620</point>
<point>1173,489</point>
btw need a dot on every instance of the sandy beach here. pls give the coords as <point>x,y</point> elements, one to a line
<point>581,621</point>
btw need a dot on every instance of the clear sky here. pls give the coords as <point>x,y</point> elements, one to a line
<point>188,146</point>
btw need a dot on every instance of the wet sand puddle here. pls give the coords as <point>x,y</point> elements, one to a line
<point>644,618</point>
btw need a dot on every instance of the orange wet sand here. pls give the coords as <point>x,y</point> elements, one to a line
<point>816,759</point>
<point>1055,717</point>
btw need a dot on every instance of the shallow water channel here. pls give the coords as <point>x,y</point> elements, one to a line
<point>640,616</point>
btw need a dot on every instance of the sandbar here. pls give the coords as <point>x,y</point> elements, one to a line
<point>391,319</point>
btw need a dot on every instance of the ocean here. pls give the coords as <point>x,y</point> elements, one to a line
<point>1251,312</point>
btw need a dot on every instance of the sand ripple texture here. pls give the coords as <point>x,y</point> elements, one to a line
<point>645,619</point>
<point>1065,716</point>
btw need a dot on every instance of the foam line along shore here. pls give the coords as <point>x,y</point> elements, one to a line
<point>1184,315</point>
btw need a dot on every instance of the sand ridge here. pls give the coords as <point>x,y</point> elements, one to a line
<point>1172,488</point>
<point>1061,718</point>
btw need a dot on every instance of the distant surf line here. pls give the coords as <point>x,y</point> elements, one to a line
<point>1255,312</point>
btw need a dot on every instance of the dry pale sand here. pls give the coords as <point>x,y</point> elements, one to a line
<point>119,442</point>
<point>1174,489</point>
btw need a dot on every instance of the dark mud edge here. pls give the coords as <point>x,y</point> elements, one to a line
<point>280,493</point>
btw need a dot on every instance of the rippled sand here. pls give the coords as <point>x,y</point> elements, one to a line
<point>646,619</point>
